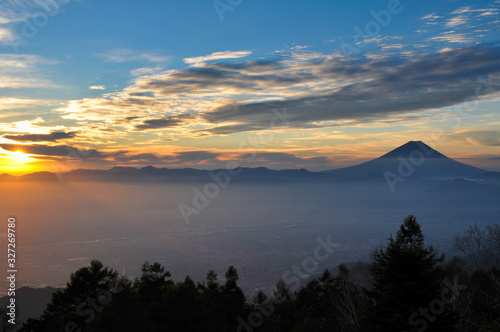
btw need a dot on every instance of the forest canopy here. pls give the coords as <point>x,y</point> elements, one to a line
<point>405,286</point>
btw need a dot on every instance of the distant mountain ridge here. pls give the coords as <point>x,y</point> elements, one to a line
<point>413,159</point>
<point>153,174</point>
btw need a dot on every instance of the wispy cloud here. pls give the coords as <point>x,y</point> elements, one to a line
<point>97,87</point>
<point>15,11</point>
<point>395,81</point>
<point>480,137</point>
<point>52,137</point>
<point>453,37</point>
<point>120,55</point>
<point>318,89</point>
<point>21,71</point>
<point>52,150</point>
<point>163,122</point>
<point>463,25</point>
<point>146,71</point>
<point>430,18</point>
<point>14,104</point>
<point>455,21</point>
<point>217,56</point>
<point>475,10</point>
<point>6,35</point>
<point>35,126</point>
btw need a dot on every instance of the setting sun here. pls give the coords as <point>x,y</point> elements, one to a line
<point>21,158</point>
<point>17,163</point>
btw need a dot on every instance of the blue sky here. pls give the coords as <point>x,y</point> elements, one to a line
<point>195,83</point>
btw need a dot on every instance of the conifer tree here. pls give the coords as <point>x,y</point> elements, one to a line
<point>88,292</point>
<point>406,294</point>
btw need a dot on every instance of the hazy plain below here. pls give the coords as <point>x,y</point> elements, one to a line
<point>264,230</point>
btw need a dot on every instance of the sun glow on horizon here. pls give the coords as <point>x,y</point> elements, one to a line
<point>21,157</point>
<point>17,163</point>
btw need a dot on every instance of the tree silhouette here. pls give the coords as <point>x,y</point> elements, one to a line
<point>410,234</point>
<point>183,308</point>
<point>315,304</point>
<point>153,282</point>
<point>406,282</point>
<point>283,315</point>
<point>233,298</point>
<point>125,311</point>
<point>151,288</point>
<point>89,290</point>
<point>481,244</point>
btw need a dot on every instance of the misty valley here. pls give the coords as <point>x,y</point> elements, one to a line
<point>263,230</point>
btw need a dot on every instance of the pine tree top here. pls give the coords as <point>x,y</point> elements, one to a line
<point>409,234</point>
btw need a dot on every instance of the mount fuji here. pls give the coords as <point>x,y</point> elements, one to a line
<point>414,158</point>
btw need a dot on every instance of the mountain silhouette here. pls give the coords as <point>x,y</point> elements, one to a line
<point>153,174</point>
<point>407,149</point>
<point>414,158</point>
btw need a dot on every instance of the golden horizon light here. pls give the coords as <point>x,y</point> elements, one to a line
<point>17,163</point>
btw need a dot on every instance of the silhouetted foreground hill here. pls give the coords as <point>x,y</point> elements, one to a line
<point>30,301</point>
